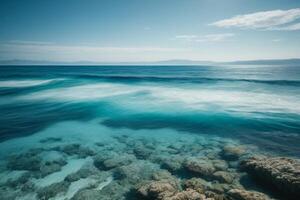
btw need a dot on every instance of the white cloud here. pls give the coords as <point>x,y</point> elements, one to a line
<point>205,38</point>
<point>186,37</point>
<point>215,37</point>
<point>277,40</point>
<point>267,20</point>
<point>292,27</point>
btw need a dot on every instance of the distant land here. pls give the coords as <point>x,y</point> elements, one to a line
<point>294,61</point>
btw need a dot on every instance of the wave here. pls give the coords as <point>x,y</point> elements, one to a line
<point>159,96</point>
<point>23,83</point>
<point>189,79</point>
<point>81,92</point>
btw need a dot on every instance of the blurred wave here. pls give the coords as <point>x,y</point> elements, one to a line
<point>258,105</point>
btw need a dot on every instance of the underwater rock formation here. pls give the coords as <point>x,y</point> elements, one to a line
<point>129,168</point>
<point>160,190</point>
<point>173,163</point>
<point>116,162</point>
<point>77,149</point>
<point>220,164</point>
<point>224,177</point>
<point>237,194</point>
<point>281,173</point>
<point>27,161</point>
<point>203,167</point>
<point>49,168</point>
<point>230,152</point>
<point>136,172</point>
<point>188,194</point>
<point>197,184</point>
<point>164,190</point>
<point>52,190</point>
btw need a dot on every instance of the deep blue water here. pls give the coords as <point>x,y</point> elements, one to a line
<point>257,105</point>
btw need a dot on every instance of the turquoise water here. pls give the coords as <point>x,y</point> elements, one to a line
<point>112,109</point>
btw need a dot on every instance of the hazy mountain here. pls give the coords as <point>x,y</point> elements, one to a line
<point>295,61</point>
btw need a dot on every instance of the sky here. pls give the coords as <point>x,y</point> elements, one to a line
<point>149,30</point>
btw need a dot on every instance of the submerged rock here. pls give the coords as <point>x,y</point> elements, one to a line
<point>28,187</point>
<point>88,194</point>
<point>101,157</point>
<point>51,140</point>
<point>281,173</point>
<point>8,194</point>
<point>200,166</point>
<point>141,152</point>
<point>84,172</point>
<point>238,194</point>
<point>136,172</point>
<point>24,162</point>
<point>158,190</point>
<point>198,184</point>
<point>162,174</point>
<point>49,168</point>
<point>14,179</point>
<point>52,190</point>
<point>220,164</point>
<point>109,160</point>
<point>117,161</point>
<point>188,194</point>
<point>164,190</point>
<point>77,149</point>
<point>172,163</point>
<point>223,177</point>
<point>230,152</point>
<point>213,196</point>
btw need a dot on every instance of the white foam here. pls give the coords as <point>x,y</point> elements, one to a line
<point>82,92</point>
<point>23,83</point>
<point>159,96</point>
<point>154,96</point>
<point>227,99</point>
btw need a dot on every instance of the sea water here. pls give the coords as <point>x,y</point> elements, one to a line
<point>70,131</point>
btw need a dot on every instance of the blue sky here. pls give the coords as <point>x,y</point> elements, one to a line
<point>148,30</point>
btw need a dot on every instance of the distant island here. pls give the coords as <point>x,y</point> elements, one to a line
<point>293,61</point>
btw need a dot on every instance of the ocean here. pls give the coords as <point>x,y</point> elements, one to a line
<point>57,120</point>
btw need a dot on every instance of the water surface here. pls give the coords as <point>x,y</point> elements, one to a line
<point>51,106</point>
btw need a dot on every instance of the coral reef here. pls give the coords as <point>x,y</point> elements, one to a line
<point>281,173</point>
<point>133,168</point>
<point>237,194</point>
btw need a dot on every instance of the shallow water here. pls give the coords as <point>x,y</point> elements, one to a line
<point>151,116</point>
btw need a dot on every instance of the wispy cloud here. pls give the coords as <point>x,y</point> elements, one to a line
<point>277,40</point>
<point>267,20</point>
<point>186,37</point>
<point>205,38</point>
<point>215,37</point>
<point>292,27</point>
